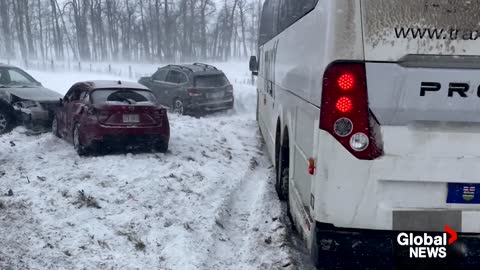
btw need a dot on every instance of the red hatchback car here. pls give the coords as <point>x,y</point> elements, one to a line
<point>107,114</point>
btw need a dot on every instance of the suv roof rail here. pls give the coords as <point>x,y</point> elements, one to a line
<point>204,65</point>
<point>181,67</point>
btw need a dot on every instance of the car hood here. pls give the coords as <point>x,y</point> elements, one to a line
<point>34,93</point>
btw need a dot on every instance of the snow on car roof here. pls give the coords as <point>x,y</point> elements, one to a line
<point>98,84</point>
<point>7,65</point>
<point>198,69</point>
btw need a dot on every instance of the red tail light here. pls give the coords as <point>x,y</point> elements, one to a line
<point>345,113</point>
<point>344,104</point>
<point>193,92</point>
<point>346,81</point>
<point>101,115</point>
<point>159,114</point>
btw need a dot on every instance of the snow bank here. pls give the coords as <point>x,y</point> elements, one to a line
<point>207,204</point>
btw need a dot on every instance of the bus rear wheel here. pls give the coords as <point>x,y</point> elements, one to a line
<point>283,172</point>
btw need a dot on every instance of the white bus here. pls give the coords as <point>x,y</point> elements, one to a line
<point>370,113</point>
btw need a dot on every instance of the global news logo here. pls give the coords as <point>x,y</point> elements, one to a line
<point>426,246</point>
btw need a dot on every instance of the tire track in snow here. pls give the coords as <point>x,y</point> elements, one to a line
<point>249,233</point>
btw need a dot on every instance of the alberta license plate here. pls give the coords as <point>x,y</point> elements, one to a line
<point>217,95</point>
<point>131,118</point>
<point>463,193</point>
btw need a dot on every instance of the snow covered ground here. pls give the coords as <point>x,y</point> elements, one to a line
<point>206,204</point>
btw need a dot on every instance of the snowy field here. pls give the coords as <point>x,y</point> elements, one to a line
<point>206,204</point>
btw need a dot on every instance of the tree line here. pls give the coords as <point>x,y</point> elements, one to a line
<point>128,30</point>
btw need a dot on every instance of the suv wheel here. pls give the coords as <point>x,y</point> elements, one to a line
<point>178,107</point>
<point>5,122</point>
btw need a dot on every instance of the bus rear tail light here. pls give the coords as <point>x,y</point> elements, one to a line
<point>311,166</point>
<point>344,105</point>
<point>346,81</point>
<point>345,113</point>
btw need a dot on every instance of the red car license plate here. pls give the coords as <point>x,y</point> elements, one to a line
<point>131,118</point>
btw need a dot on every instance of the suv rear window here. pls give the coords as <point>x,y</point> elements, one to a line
<point>128,96</point>
<point>211,81</point>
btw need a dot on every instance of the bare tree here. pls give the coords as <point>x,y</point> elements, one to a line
<point>138,30</point>
<point>5,20</point>
<point>158,30</point>
<point>241,8</point>
<point>57,34</point>
<point>18,11</point>
<point>40,29</point>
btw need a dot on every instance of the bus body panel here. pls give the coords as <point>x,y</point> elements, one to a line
<point>362,194</point>
<point>407,95</point>
<point>429,140</point>
<point>394,29</point>
<point>290,79</point>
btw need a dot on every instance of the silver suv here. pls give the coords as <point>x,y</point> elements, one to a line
<point>191,89</point>
<point>23,100</point>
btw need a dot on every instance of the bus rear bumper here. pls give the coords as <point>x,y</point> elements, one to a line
<point>345,248</point>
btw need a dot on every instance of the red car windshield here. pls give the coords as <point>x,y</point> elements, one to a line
<point>121,96</point>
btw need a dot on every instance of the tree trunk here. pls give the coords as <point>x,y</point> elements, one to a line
<point>80,9</point>
<point>191,53</point>
<point>93,25</point>
<point>158,30</point>
<point>168,33</point>
<point>183,11</point>
<point>40,26</point>
<point>146,50</point>
<point>5,20</point>
<point>203,29</point>
<point>231,25</point>
<point>57,33</point>
<point>19,23</point>
<point>31,48</point>
<point>242,24</point>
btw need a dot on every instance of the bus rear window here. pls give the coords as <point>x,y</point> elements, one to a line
<point>211,81</point>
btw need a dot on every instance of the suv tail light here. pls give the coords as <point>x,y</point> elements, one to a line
<point>345,113</point>
<point>194,92</point>
<point>230,89</point>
